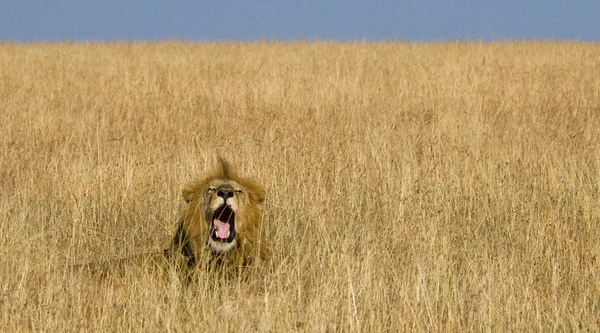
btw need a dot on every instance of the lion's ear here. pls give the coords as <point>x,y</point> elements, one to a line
<point>260,198</point>
<point>188,194</point>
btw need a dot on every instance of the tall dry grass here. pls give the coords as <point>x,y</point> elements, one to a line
<point>411,187</point>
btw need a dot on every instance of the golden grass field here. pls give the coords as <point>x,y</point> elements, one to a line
<point>443,187</point>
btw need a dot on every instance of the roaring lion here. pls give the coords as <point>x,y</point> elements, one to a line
<point>220,224</point>
<point>222,219</point>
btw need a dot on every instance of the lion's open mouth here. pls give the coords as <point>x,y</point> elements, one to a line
<point>223,226</point>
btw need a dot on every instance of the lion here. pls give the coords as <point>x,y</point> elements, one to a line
<point>221,223</point>
<point>222,220</point>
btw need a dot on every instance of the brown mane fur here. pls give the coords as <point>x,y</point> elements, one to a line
<point>192,234</point>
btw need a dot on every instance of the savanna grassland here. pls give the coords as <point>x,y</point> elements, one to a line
<point>410,187</point>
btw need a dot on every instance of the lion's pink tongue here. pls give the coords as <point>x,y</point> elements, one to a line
<point>222,229</point>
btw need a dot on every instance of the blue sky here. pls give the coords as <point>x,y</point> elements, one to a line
<point>436,20</point>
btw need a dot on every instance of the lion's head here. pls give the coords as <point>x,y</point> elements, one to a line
<point>223,216</point>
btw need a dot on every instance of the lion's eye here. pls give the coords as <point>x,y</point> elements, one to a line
<point>211,189</point>
<point>239,191</point>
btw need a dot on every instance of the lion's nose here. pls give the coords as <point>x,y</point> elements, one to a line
<point>225,193</point>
